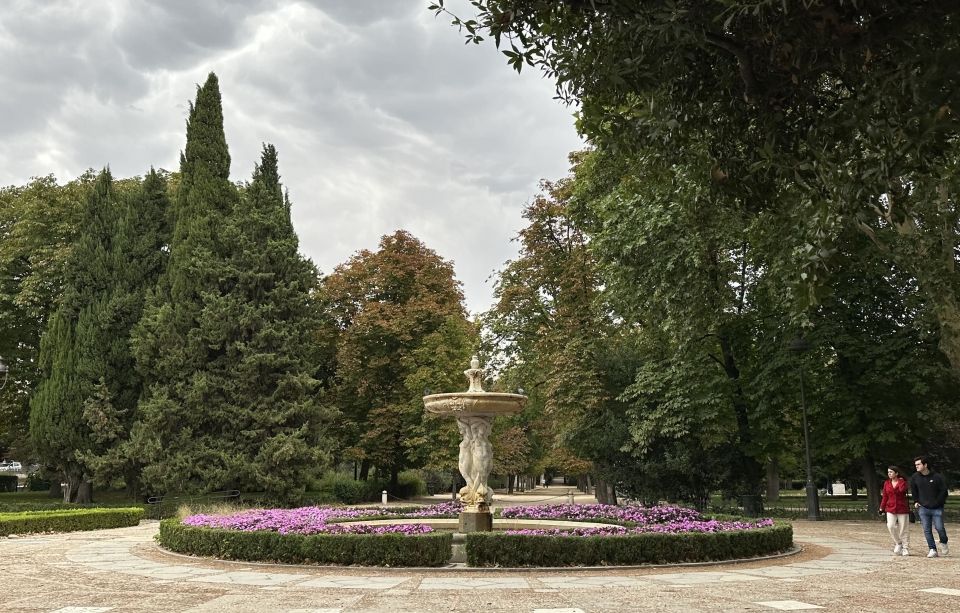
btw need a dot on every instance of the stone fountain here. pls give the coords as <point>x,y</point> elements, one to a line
<point>474,411</point>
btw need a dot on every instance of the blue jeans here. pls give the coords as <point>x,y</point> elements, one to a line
<point>929,519</point>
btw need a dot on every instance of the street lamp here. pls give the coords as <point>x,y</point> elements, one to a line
<point>5,371</point>
<point>799,346</point>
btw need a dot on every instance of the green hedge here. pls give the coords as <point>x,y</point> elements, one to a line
<point>432,549</point>
<point>511,550</point>
<point>8,483</point>
<point>68,520</point>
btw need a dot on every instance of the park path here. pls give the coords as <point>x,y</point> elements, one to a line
<point>846,566</point>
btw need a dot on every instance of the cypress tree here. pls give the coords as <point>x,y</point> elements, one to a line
<point>138,258</point>
<point>281,421</point>
<point>224,341</point>
<point>71,348</point>
<point>179,430</point>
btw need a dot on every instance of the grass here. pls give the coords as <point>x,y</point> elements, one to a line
<point>798,498</point>
<point>38,501</point>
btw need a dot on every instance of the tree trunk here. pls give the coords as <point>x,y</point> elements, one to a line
<point>394,479</point>
<point>56,490</point>
<point>773,480</point>
<point>873,484</point>
<point>510,479</point>
<point>605,492</point>
<point>132,480</point>
<point>750,468</point>
<point>364,470</point>
<point>73,486</point>
<point>85,492</point>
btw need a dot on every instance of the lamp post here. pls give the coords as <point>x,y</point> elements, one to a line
<point>799,346</point>
<point>5,371</point>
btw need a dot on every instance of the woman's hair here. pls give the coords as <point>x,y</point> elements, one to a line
<point>896,469</point>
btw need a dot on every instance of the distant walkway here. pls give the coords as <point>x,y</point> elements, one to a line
<point>846,566</point>
<point>550,494</point>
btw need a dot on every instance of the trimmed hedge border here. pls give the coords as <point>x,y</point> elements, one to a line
<point>432,549</point>
<point>517,550</point>
<point>68,520</point>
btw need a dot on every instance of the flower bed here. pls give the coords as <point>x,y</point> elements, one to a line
<point>372,549</point>
<point>312,535</point>
<point>323,520</point>
<point>636,535</point>
<point>628,519</point>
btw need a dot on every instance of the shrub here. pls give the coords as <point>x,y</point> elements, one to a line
<point>410,485</point>
<point>8,483</point>
<point>338,487</point>
<point>341,487</point>
<point>37,483</point>
<point>68,520</point>
<point>437,482</point>
<point>510,550</point>
<point>432,549</point>
<point>13,505</point>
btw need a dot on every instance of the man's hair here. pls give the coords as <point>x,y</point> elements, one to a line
<point>922,459</point>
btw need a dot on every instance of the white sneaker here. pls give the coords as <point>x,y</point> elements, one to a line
<point>904,552</point>
<point>933,554</point>
<point>897,548</point>
<point>944,550</point>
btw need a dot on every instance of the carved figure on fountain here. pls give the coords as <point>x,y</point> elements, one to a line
<point>474,411</point>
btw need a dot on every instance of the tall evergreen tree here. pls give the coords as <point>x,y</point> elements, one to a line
<point>269,368</point>
<point>71,348</point>
<point>231,400</point>
<point>138,259</point>
<point>182,413</point>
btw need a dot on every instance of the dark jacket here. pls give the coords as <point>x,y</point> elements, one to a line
<point>929,490</point>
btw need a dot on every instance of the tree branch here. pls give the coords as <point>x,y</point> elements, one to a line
<point>750,84</point>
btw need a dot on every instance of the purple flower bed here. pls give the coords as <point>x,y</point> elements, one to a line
<point>322,520</point>
<point>316,520</point>
<point>639,514</point>
<point>661,518</point>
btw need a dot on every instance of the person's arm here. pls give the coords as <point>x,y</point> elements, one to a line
<point>883,496</point>
<point>914,492</point>
<point>941,490</point>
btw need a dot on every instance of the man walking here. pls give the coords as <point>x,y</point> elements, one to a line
<point>929,492</point>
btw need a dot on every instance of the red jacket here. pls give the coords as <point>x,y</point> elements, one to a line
<point>894,498</point>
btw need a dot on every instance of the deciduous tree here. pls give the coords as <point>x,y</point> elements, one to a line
<point>388,305</point>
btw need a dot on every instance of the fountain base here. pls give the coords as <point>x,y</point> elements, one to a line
<point>475,521</point>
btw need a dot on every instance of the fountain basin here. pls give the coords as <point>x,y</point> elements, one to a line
<point>474,404</point>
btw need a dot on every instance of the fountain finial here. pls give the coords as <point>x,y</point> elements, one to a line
<point>474,375</point>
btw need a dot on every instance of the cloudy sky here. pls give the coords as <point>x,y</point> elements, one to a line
<point>382,117</point>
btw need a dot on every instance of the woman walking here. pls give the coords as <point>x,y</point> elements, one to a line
<point>893,502</point>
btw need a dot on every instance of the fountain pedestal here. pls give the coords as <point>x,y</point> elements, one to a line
<point>475,521</point>
<point>474,411</point>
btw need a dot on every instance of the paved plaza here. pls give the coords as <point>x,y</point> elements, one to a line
<point>845,566</point>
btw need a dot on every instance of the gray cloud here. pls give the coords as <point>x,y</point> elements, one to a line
<point>382,117</point>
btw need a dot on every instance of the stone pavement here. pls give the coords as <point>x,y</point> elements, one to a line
<point>845,566</point>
